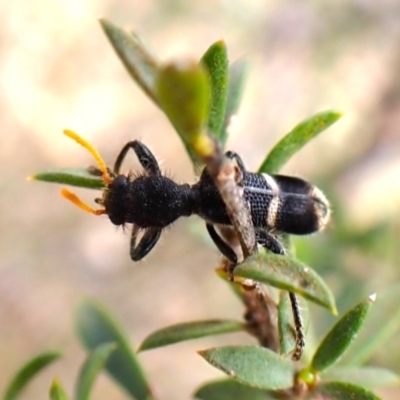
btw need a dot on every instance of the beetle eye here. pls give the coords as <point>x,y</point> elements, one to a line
<point>119,183</point>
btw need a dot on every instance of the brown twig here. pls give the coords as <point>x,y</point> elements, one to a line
<point>261,316</point>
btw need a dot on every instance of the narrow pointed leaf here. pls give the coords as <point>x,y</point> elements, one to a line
<point>215,61</point>
<point>96,326</point>
<point>287,273</point>
<point>341,391</point>
<point>253,366</point>
<point>228,389</point>
<point>368,377</point>
<point>183,90</point>
<point>57,392</point>
<point>382,324</point>
<point>189,330</point>
<point>237,77</point>
<point>340,336</point>
<point>140,63</point>
<point>296,139</point>
<point>287,333</point>
<point>91,368</point>
<point>70,176</point>
<point>29,371</point>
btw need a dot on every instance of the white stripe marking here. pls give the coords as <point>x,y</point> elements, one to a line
<point>273,207</point>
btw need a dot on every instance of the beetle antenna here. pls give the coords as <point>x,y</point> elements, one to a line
<point>102,166</point>
<point>79,203</point>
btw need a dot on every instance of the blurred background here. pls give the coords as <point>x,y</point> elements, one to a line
<point>57,71</point>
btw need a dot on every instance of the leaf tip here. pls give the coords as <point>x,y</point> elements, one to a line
<point>56,381</point>
<point>372,298</point>
<point>87,303</point>
<point>31,178</point>
<point>103,21</point>
<point>141,348</point>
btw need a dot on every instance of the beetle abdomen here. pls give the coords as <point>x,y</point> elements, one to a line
<point>285,204</point>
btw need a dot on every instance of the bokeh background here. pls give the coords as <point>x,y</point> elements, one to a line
<point>58,71</point>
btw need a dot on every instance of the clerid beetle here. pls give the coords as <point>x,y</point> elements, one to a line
<point>151,201</point>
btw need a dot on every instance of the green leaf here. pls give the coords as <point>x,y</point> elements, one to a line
<point>228,389</point>
<point>382,324</point>
<point>287,333</point>
<point>28,371</point>
<point>341,391</point>
<point>369,377</point>
<point>57,392</point>
<point>237,76</point>
<point>183,90</point>
<point>70,176</point>
<point>140,63</point>
<point>96,326</point>
<point>287,273</point>
<point>215,61</point>
<point>296,139</point>
<point>91,368</point>
<point>251,365</point>
<point>340,336</point>
<point>189,330</point>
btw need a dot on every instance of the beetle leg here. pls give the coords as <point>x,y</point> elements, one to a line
<point>272,244</point>
<point>298,326</point>
<point>144,155</point>
<point>222,246</point>
<point>268,241</point>
<point>134,233</point>
<point>147,242</point>
<point>237,158</point>
<point>95,171</point>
